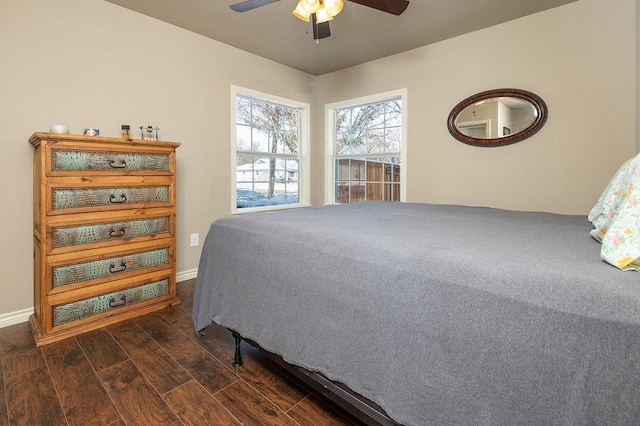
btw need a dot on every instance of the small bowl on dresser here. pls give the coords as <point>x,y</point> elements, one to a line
<point>58,129</point>
<point>91,132</point>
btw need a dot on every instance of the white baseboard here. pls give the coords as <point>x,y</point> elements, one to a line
<point>186,275</point>
<point>17,317</point>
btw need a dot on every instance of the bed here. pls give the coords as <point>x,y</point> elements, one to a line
<point>438,314</point>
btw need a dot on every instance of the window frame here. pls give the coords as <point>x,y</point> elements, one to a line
<point>330,139</point>
<point>304,183</point>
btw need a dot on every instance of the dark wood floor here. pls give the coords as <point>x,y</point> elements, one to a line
<point>151,370</point>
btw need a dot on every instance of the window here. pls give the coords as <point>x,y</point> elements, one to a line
<point>366,149</point>
<point>269,145</point>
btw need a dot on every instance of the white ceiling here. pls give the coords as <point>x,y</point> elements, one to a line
<point>358,34</point>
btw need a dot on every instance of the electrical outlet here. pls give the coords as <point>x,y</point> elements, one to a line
<point>195,240</point>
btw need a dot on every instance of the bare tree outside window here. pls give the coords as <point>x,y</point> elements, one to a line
<point>267,152</point>
<point>368,151</point>
<point>369,129</point>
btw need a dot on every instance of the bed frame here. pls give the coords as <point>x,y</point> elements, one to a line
<point>354,404</point>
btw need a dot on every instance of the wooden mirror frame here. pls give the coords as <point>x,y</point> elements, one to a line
<point>531,130</point>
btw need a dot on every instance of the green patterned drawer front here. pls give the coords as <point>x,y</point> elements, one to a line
<point>98,197</point>
<point>80,272</point>
<point>101,161</point>
<point>101,232</point>
<point>99,304</point>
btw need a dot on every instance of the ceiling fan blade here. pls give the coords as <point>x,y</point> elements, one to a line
<point>395,7</point>
<point>250,4</point>
<point>320,30</point>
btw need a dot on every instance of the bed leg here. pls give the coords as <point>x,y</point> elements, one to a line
<point>237,360</point>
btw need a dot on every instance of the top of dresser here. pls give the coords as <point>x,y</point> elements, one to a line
<point>39,137</point>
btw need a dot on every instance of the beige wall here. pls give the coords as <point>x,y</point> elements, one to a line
<point>580,58</point>
<point>91,63</point>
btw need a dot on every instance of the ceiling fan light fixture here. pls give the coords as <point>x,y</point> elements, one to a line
<point>323,10</point>
<point>310,6</point>
<point>323,15</point>
<point>333,6</point>
<point>301,13</point>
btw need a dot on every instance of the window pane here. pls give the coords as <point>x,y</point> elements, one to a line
<point>367,151</point>
<point>244,169</point>
<point>396,173</point>
<point>342,170</point>
<point>356,114</point>
<point>291,170</point>
<point>387,192</point>
<point>374,172</point>
<point>343,120</point>
<point>374,191</point>
<point>266,181</point>
<point>387,172</point>
<point>377,142</point>
<point>357,193</point>
<point>288,143</point>
<point>393,139</point>
<point>347,144</point>
<point>376,115</point>
<point>290,190</point>
<point>393,112</point>
<point>357,170</point>
<point>342,193</point>
<point>260,141</point>
<point>279,169</point>
<point>267,152</point>
<point>243,110</point>
<point>260,112</point>
<point>243,138</point>
<point>288,120</point>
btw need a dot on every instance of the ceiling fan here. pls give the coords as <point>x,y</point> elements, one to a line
<point>320,12</point>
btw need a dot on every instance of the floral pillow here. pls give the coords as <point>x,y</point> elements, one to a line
<point>616,218</point>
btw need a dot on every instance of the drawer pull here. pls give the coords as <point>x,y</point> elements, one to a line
<point>118,164</point>
<point>121,200</point>
<point>121,302</point>
<point>117,232</point>
<point>113,270</point>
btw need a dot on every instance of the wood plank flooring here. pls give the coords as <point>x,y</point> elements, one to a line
<point>150,370</point>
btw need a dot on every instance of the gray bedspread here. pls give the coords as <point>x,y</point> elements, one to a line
<point>443,315</point>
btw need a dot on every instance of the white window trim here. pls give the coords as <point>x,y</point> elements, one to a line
<point>305,163</point>
<point>330,140</point>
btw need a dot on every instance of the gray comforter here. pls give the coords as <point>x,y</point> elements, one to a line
<point>443,315</point>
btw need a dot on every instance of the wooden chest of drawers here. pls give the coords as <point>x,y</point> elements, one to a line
<point>103,232</point>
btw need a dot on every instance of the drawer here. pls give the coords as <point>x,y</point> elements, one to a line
<point>72,200</point>
<point>71,160</point>
<point>78,232</point>
<point>93,306</point>
<point>65,236</point>
<point>113,267</point>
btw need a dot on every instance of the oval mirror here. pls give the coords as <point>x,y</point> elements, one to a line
<point>497,117</point>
